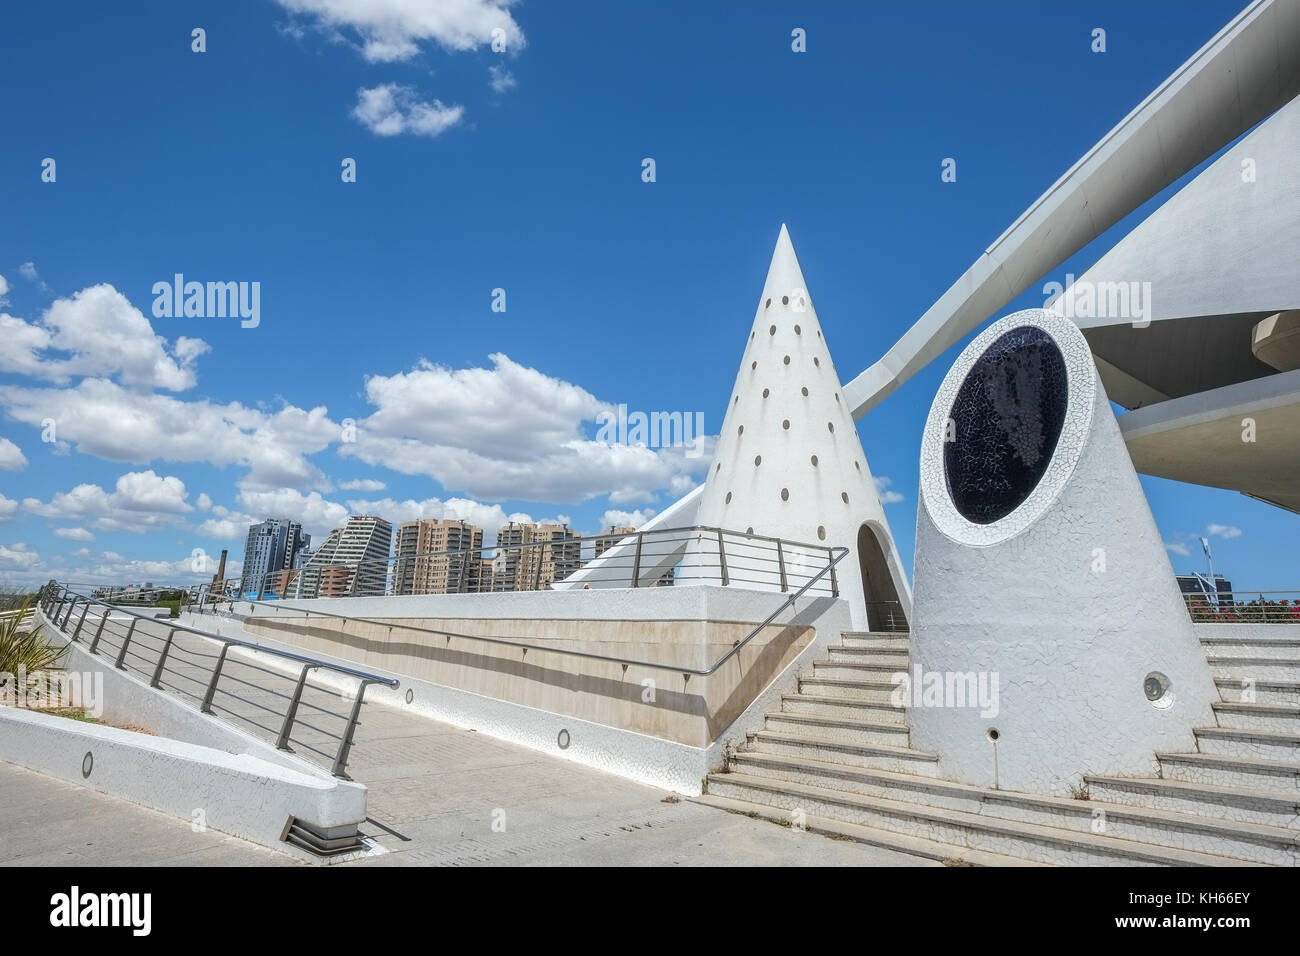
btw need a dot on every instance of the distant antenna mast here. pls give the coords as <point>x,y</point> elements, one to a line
<point>1209,562</point>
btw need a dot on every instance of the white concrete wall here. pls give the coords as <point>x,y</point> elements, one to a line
<point>1070,599</point>
<point>238,794</point>
<point>641,757</point>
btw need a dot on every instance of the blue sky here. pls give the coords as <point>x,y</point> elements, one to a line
<point>517,170</point>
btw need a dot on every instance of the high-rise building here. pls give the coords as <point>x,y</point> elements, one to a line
<point>272,545</point>
<point>309,581</point>
<point>438,557</point>
<point>530,557</point>
<point>353,561</point>
<point>560,553</point>
<point>513,567</point>
<point>608,539</point>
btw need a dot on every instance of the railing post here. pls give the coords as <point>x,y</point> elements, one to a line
<point>162,659</point>
<point>636,561</point>
<point>345,745</point>
<point>780,563</point>
<point>282,742</point>
<point>206,706</point>
<point>81,620</point>
<point>537,568</point>
<point>464,569</point>
<point>722,560</point>
<point>835,584</point>
<point>103,618</point>
<point>120,664</point>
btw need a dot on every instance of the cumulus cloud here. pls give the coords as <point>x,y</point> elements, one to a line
<point>8,508</point>
<point>489,517</point>
<point>28,271</point>
<point>74,534</point>
<point>887,495</point>
<point>4,289</point>
<point>227,525</point>
<point>108,421</point>
<point>392,109</point>
<point>1177,547</point>
<point>625,519</point>
<point>392,30</point>
<point>18,556</point>
<point>1223,531</point>
<point>101,334</point>
<point>141,501</point>
<point>316,514</point>
<point>11,456</point>
<point>362,484</point>
<point>510,432</point>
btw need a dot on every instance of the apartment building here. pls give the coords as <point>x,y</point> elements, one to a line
<point>438,556</point>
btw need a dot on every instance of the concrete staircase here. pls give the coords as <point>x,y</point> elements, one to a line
<point>837,759</point>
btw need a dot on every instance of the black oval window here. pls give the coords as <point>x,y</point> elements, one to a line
<point>1005,424</point>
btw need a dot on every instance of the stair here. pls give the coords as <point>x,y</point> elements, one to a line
<point>837,756</point>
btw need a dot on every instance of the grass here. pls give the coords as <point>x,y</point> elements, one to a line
<point>79,714</point>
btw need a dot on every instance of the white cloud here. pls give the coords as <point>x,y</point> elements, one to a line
<point>11,456</point>
<point>227,525</point>
<point>4,289</point>
<point>74,534</point>
<point>887,496</point>
<point>203,502</point>
<point>362,484</point>
<point>625,519</point>
<point>501,79</point>
<point>489,517</point>
<point>317,515</point>
<point>142,501</point>
<point>8,508</point>
<point>392,109</point>
<point>28,271</point>
<point>392,30</point>
<point>103,334</point>
<point>509,432</point>
<point>1176,547</point>
<point>1223,531</point>
<point>105,420</point>
<point>18,556</point>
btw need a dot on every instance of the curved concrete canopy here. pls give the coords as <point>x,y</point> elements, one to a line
<point>1173,306</point>
<point>1248,71</point>
<point>1244,437</point>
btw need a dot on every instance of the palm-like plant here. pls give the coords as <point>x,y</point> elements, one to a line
<point>26,651</point>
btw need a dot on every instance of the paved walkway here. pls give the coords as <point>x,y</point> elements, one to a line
<point>438,795</point>
<point>47,822</point>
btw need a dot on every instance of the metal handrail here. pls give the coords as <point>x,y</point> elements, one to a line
<point>53,605</point>
<point>278,606</point>
<point>1243,607</point>
<point>288,582</point>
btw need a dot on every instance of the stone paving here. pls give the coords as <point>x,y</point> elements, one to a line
<point>438,795</point>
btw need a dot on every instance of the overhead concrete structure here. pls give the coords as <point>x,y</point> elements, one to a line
<point>789,463</point>
<point>1193,321</point>
<point>1248,71</point>
<point>1040,570</point>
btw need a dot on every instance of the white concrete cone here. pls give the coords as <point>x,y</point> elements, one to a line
<point>789,464</point>
<point>1049,637</point>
